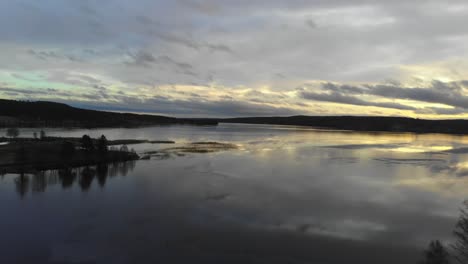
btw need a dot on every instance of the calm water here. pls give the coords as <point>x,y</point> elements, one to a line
<point>286,195</point>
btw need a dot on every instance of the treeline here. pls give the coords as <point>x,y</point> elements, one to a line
<point>51,114</point>
<point>362,123</point>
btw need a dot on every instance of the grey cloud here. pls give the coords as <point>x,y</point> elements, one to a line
<point>187,42</point>
<point>450,93</point>
<point>311,23</point>
<point>147,60</point>
<point>343,88</point>
<point>190,42</point>
<point>169,60</point>
<point>242,43</point>
<point>24,91</point>
<point>73,79</point>
<point>335,97</point>
<point>142,59</point>
<point>52,55</point>
<point>87,9</point>
<point>145,20</point>
<point>219,47</point>
<point>33,94</point>
<point>434,94</point>
<point>206,7</point>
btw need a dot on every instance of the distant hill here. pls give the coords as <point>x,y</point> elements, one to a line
<point>51,114</point>
<point>362,123</point>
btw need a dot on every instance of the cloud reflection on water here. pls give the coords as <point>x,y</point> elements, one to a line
<point>283,195</point>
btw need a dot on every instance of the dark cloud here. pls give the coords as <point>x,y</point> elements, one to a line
<point>311,23</point>
<point>142,59</point>
<point>168,60</point>
<point>180,40</point>
<point>53,55</point>
<point>146,59</point>
<point>343,88</point>
<point>205,7</point>
<point>447,93</point>
<point>145,20</point>
<point>243,43</point>
<point>29,91</point>
<point>219,47</point>
<point>336,97</point>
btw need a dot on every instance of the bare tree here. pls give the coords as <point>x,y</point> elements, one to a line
<point>460,246</point>
<point>436,253</point>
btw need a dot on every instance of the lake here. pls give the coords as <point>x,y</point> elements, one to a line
<point>283,195</point>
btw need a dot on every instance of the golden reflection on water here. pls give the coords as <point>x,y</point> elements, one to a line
<point>421,149</point>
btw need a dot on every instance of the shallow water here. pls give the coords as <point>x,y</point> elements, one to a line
<point>284,195</point>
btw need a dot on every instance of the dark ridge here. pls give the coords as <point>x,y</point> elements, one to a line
<point>362,123</point>
<point>51,114</point>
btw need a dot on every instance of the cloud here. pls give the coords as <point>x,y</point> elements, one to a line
<point>219,47</point>
<point>142,59</point>
<point>146,59</point>
<point>311,23</point>
<point>336,97</point>
<point>352,46</point>
<point>447,93</point>
<point>205,7</point>
<point>52,55</point>
<point>26,91</point>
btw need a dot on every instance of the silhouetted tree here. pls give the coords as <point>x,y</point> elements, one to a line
<point>124,148</point>
<point>43,135</point>
<point>102,144</point>
<point>13,132</point>
<point>436,253</point>
<point>460,246</point>
<point>87,143</point>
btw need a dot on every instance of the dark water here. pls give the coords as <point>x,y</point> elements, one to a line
<point>286,195</point>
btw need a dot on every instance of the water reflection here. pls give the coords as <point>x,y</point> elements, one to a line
<point>66,178</point>
<point>283,196</point>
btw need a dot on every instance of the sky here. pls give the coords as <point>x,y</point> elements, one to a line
<point>224,58</point>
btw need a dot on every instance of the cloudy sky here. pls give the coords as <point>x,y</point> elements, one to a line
<point>239,58</point>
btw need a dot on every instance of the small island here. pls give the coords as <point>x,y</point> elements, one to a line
<point>26,155</point>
